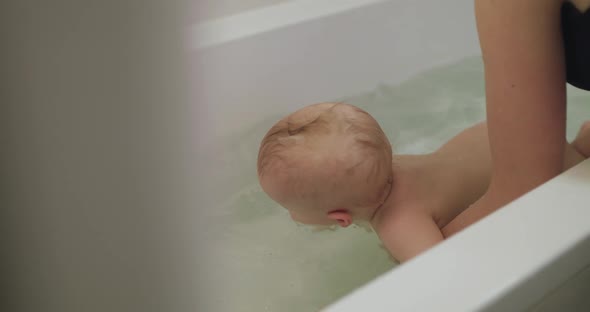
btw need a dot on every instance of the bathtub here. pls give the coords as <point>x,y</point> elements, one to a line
<point>531,255</point>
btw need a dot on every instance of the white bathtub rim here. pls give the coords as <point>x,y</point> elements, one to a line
<point>260,20</point>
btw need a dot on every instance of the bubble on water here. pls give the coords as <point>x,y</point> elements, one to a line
<point>323,228</point>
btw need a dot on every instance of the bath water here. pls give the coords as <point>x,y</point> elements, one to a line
<point>261,261</point>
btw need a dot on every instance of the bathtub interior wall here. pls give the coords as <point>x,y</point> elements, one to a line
<point>244,80</point>
<point>212,9</point>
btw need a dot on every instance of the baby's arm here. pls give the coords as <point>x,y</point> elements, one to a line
<point>409,234</point>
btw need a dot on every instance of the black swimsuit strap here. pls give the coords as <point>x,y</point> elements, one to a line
<point>575,27</point>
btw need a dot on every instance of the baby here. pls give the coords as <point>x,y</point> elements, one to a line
<point>331,163</point>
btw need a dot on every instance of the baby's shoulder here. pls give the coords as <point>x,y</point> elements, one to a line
<point>474,137</point>
<point>406,215</point>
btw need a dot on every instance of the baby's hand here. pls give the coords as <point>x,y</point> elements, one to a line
<point>582,141</point>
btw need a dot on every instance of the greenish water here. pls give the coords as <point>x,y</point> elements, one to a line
<point>264,262</point>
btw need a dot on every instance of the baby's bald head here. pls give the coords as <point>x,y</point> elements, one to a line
<point>326,157</point>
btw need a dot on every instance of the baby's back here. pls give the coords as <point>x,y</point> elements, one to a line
<point>464,175</point>
<point>465,171</point>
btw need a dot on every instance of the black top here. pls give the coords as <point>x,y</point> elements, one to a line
<point>575,27</point>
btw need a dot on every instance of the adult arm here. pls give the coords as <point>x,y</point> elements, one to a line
<point>525,92</point>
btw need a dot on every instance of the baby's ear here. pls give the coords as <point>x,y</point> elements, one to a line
<point>341,216</point>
